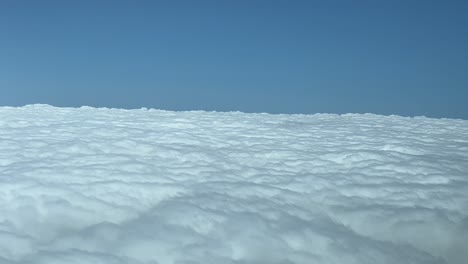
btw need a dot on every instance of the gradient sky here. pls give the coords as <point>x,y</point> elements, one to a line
<point>386,57</point>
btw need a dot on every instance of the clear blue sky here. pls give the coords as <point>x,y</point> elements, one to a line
<point>386,57</point>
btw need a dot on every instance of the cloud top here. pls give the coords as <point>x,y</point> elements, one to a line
<point>87,185</point>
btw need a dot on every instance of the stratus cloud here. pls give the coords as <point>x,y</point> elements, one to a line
<point>149,186</point>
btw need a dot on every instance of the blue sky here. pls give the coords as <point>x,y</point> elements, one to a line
<point>386,57</point>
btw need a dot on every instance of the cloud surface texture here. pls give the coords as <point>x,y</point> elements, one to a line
<point>87,185</point>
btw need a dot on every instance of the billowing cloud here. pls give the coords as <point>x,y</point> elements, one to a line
<point>149,186</point>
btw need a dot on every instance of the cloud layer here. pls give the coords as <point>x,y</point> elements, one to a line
<point>140,186</point>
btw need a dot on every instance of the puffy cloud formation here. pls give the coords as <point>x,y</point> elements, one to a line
<point>146,186</point>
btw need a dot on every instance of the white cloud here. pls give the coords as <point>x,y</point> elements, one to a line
<point>148,186</point>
